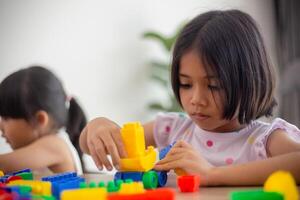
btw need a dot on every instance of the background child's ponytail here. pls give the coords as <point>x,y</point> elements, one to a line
<point>75,123</point>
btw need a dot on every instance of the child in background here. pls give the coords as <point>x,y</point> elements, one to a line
<point>40,122</point>
<point>223,80</point>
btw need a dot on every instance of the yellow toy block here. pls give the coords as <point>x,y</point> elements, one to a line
<point>38,187</point>
<point>139,159</point>
<point>84,193</point>
<point>132,188</point>
<point>1,173</point>
<point>284,183</point>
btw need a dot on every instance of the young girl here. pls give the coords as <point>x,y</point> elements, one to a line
<point>36,118</point>
<point>224,82</point>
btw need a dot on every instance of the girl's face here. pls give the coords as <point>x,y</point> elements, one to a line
<point>201,95</point>
<point>18,132</point>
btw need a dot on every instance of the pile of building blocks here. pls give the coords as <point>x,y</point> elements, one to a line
<point>64,181</point>
<point>69,186</point>
<point>139,162</point>
<point>279,186</point>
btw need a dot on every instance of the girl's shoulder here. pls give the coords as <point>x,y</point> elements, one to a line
<point>262,132</point>
<point>266,129</point>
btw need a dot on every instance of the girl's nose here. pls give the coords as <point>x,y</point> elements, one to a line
<point>199,98</point>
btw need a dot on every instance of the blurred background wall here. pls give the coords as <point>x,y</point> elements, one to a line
<point>96,47</point>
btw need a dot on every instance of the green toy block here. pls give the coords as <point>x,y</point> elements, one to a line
<point>26,175</point>
<point>255,195</point>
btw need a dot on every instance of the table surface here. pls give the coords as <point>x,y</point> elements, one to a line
<point>204,193</point>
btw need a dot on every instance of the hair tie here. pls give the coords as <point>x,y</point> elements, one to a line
<point>67,102</point>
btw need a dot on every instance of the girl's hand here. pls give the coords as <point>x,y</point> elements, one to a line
<point>100,137</point>
<point>185,157</point>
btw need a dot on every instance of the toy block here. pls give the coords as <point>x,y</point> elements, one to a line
<point>63,181</point>
<point>13,178</point>
<point>255,195</point>
<point>112,187</point>
<point>131,188</point>
<point>139,159</point>
<point>150,180</point>
<point>86,193</point>
<point>26,175</point>
<point>157,194</point>
<point>188,183</point>
<point>163,152</point>
<point>284,183</point>
<point>162,177</point>
<point>180,172</point>
<point>42,197</point>
<point>20,171</point>
<point>135,176</point>
<point>38,187</point>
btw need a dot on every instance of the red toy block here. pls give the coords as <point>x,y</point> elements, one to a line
<point>13,178</point>
<point>157,194</point>
<point>189,183</point>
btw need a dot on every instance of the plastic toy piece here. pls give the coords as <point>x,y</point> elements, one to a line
<point>162,178</point>
<point>188,183</point>
<point>38,187</point>
<point>131,188</point>
<point>255,195</point>
<point>63,181</point>
<point>139,159</point>
<point>157,194</point>
<point>284,183</point>
<point>1,173</point>
<point>13,178</point>
<point>150,180</point>
<point>26,175</point>
<point>86,193</point>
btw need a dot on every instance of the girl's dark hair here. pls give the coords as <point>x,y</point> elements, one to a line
<point>25,92</point>
<point>230,44</point>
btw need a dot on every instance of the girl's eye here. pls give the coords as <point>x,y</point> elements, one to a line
<point>214,87</point>
<point>184,85</point>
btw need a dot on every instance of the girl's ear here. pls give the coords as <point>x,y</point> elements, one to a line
<point>42,118</point>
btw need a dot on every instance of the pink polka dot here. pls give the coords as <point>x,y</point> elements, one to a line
<point>168,129</point>
<point>209,143</point>
<point>229,161</point>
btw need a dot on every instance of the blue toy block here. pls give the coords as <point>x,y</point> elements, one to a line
<point>21,171</point>
<point>63,181</point>
<point>162,178</point>
<point>135,176</point>
<point>118,176</point>
<point>163,152</point>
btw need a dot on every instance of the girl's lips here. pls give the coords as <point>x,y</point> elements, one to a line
<point>200,117</point>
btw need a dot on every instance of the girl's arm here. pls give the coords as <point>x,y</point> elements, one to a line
<point>48,151</point>
<point>283,152</point>
<point>148,131</point>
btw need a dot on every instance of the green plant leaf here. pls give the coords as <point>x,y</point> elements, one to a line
<point>160,65</point>
<point>159,79</point>
<point>165,41</point>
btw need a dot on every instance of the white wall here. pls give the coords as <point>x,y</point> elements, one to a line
<point>96,48</point>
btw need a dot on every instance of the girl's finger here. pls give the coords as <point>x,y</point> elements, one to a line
<point>169,165</point>
<point>113,151</point>
<point>95,157</point>
<point>116,135</point>
<point>172,157</point>
<point>182,144</point>
<point>101,150</point>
